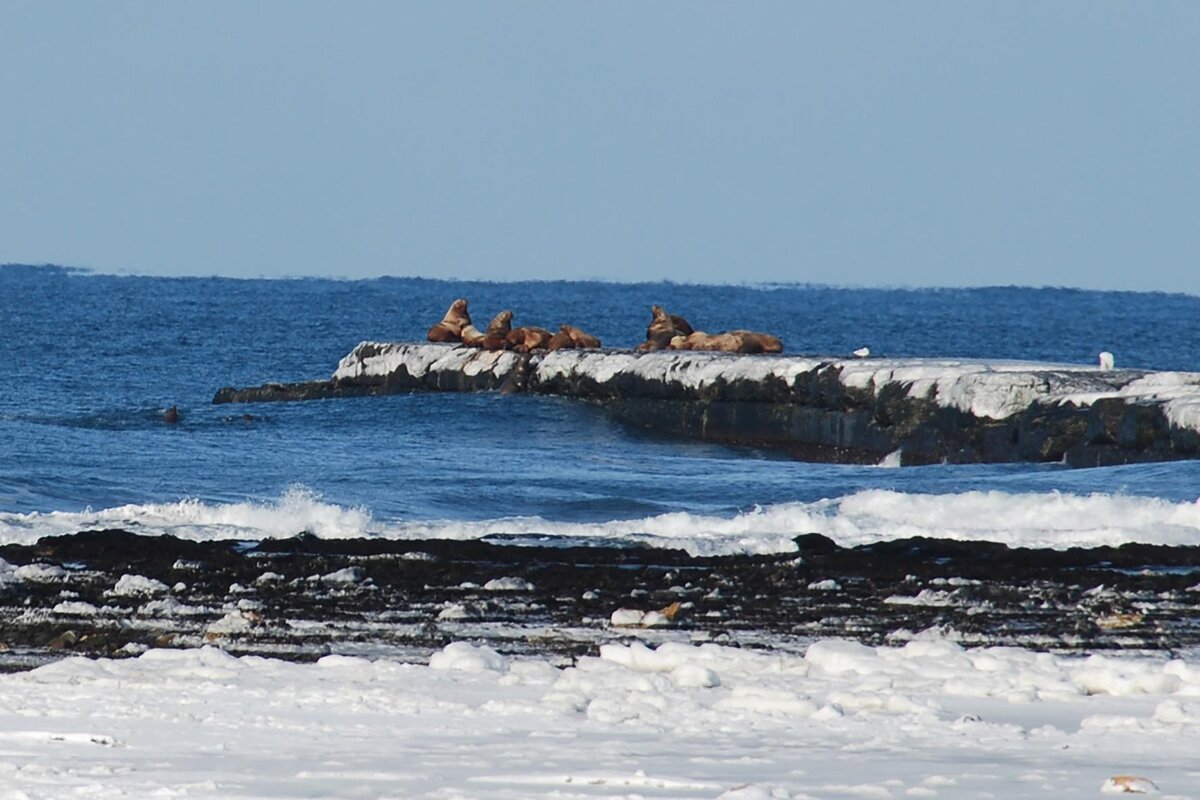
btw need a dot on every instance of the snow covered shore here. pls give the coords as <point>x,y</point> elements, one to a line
<point>927,720</point>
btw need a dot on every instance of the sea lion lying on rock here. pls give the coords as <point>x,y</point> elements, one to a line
<point>729,342</point>
<point>662,329</point>
<point>472,336</point>
<point>529,338</point>
<point>569,336</point>
<point>494,338</point>
<point>450,329</point>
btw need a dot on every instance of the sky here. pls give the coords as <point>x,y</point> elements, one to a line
<point>858,144</point>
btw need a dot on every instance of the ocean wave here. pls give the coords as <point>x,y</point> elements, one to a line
<point>1041,520</point>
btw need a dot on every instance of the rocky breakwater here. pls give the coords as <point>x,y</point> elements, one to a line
<point>914,411</point>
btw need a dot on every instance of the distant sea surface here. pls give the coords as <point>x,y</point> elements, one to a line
<point>90,363</point>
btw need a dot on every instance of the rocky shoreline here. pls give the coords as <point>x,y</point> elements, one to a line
<point>916,411</point>
<point>115,593</point>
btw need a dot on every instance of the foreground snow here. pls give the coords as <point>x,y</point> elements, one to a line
<point>927,720</point>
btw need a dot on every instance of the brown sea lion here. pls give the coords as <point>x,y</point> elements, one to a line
<point>471,336</point>
<point>561,340</point>
<point>579,337</point>
<point>664,322</point>
<point>699,340</point>
<point>496,335</point>
<point>729,342</point>
<point>662,329</point>
<point>501,323</point>
<point>678,343</point>
<point>171,415</point>
<point>451,327</point>
<point>755,342</point>
<point>528,338</point>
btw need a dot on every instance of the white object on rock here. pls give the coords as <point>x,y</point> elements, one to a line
<point>1128,784</point>
<point>636,618</point>
<point>466,657</point>
<point>137,586</point>
<point>827,585</point>
<point>232,623</point>
<point>508,584</point>
<point>345,577</point>
<point>862,352</point>
<point>627,617</point>
<point>1106,360</point>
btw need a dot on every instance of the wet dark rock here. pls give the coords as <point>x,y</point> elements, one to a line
<point>408,598</point>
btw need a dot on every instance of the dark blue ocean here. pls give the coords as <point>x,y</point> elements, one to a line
<point>91,361</point>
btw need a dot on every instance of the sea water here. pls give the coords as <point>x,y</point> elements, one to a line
<point>91,362</point>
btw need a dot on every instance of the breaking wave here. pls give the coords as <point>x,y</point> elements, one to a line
<point>1042,520</point>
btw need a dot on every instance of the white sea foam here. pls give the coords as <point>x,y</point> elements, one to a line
<point>1044,519</point>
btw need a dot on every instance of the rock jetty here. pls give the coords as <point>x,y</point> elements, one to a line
<point>858,410</point>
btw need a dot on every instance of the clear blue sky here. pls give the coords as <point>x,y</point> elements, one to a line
<point>871,144</point>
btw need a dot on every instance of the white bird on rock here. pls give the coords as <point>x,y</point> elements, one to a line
<point>862,352</point>
<point>1106,361</point>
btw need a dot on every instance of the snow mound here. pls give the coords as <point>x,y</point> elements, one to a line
<point>465,657</point>
<point>137,586</point>
<point>508,585</point>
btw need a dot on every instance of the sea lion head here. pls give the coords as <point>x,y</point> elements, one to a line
<point>501,323</point>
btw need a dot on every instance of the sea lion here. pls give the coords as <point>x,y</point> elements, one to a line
<point>756,342</point>
<point>663,322</point>
<point>579,337</point>
<point>561,340</point>
<point>501,323</point>
<point>171,415</point>
<point>569,336</point>
<point>529,338</point>
<point>662,329</point>
<point>451,327</point>
<point>471,336</point>
<point>748,342</point>
<point>496,335</point>
<point>659,341</point>
<point>699,340</point>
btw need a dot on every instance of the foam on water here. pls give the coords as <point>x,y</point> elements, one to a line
<point>1044,519</point>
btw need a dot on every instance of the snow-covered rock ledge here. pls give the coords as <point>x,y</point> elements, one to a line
<point>859,410</point>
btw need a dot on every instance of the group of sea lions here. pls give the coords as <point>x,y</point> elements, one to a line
<point>673,332</point>
<point>501,335</point>
<point>666,332</point>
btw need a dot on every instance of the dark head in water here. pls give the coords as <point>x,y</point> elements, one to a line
<point>171,415</point>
